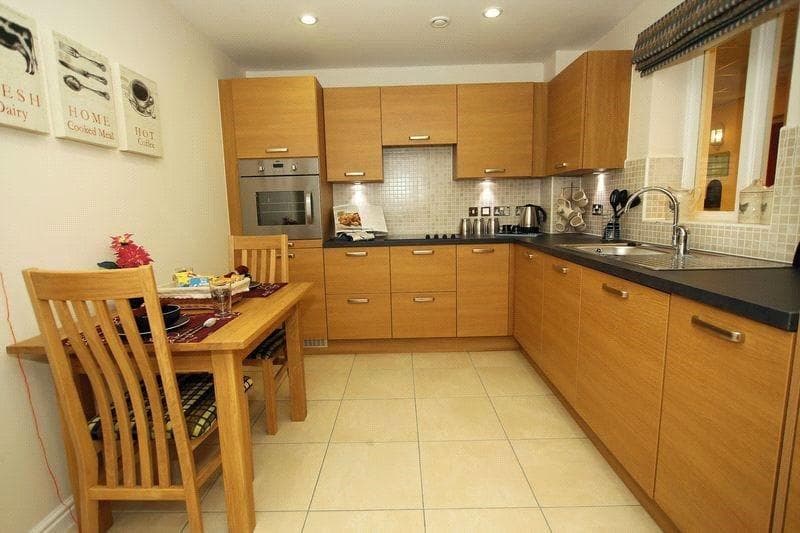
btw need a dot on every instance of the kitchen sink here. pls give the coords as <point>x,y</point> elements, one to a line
<point>664,258</point>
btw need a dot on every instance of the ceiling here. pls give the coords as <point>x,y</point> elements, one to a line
<point>266,35</point>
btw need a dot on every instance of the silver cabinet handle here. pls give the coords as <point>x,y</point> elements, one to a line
<point>529,255</point>
<point>560,269</point>
<point>615,291</point>
<point>354,174</point>
<point>422,252</point>
<point>483,250</point>
<point>493,170</point>
<point>355,254</point>
<point>358,300</point>
<point>719,331</point>
<point>423,299</point>
<point>290,244</point>
<point>277,150</point>
<point>309,212</point>
<point>561,165</point>
<point>290,255</point>
<point>418,137</point>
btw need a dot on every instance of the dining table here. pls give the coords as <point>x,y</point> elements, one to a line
<point>221,354</point>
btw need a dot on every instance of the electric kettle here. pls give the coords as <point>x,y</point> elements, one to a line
<point>531,218</point>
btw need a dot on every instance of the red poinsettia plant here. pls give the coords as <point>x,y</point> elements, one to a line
<point>129,254</point>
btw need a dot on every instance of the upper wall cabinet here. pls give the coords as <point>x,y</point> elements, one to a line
<point>587,113</point>
<point>276,117</point>
<point>495,130</point>
<point>353,134</point>
<point>418,115</point>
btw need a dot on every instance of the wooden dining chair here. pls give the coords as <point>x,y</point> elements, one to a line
<point>143,410</point>
<point>260,255</point>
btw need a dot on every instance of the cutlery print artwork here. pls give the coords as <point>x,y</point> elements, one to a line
<point>75,84</point>
<point>72,81</point>
<point>72,51</point>
<point>82,72</point>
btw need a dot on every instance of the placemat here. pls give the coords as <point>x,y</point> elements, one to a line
<point>265,290</point>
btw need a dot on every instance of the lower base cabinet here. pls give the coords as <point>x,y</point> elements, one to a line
<point>725,389</point>
<point>528,299</point>
<point>482,286</point>
<point>623,338</point>
<point>359,316</point>
<point>423,315</point>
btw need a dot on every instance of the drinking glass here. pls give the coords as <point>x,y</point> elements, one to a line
<point>221,294</point>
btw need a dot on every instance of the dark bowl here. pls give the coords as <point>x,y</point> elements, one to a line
<point>171,314</point>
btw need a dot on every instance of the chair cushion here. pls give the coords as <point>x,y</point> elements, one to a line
<point>270,346</point>
<point>197,400</point>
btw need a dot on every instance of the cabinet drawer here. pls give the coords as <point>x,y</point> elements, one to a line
<point>357,270</point>
<point>423,268</point>
<point>416,314</point>
<point>359,316</point>
<point>482,290</point>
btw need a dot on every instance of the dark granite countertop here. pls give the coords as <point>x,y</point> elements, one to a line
<point>770,295</point>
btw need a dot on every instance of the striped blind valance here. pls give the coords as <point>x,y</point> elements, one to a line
<point>692,25</point>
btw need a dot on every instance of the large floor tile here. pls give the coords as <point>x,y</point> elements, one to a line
<point>535,417</point>
<point>499,358</point>
<point>325,384</point>
<point>316,427</point>
<point>447,382</point>
<point>376,421</point>
<point>365,522</point>
<point>285,475</point>
<point>473,474</point>
<point>377,384</point>
<point>325,361</point>
<point>359,476</point>
<point>270,522</point>
<point>510,381</point>
<point>470,418</point>
<point>148,522</point>
<point>631,519</point>
<point>570,472</point>
<point>442,360</point>
<point>382,361</point>
<point>482,520</point>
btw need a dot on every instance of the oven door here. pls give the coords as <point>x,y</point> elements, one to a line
<point>275,205</point>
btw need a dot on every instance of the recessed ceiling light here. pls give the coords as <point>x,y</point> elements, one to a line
<point>440,22</point>
<point>492,12</point>
<point>308,19</point>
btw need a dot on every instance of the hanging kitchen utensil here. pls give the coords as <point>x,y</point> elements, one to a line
<point>614,199</point>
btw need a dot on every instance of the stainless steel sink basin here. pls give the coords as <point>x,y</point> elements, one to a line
<point>618,249</point>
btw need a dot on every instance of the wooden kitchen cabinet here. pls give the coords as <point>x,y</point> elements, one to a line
<point>482,282</point>
<point>274,117</point>
<point>357,270</point>
<point>560,323</point>
<point>423,314</point>
<point>423,268</point>
<point>622,346</point>
<point>306,264</point>
<point>722,419</point>
<point>528,287</point>
<point>587,113</point>
<point>418,115</point>
<point>495,130</point>
<point>359,316</point>
<point>353,134</point>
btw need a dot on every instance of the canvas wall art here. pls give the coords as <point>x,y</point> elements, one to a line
<point>138,108</point>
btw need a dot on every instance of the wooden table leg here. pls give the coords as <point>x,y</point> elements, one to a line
<point>234,440</point>
<point>297,373</point>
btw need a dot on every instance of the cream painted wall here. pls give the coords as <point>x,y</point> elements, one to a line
<point>61,200</point>
<point>365,77</point>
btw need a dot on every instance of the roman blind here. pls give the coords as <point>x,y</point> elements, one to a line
<point>692,25</point>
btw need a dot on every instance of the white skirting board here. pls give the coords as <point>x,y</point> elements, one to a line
<point>58,520</point>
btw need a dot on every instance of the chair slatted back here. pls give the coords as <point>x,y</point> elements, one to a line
<point>127,384</point>
<point>260,255</point>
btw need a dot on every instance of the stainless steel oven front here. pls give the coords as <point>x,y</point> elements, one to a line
<point>280,196</point>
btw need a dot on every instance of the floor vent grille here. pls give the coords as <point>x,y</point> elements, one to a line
<point>315,343</point>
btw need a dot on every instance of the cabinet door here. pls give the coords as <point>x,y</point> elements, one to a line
<point>482,290</point>
<point>722,417</point>
<point>353,134</point>
<point>566,115</point>
<point>419,114</point>
<point>560,314</point>
<point>623,338</point>
<point>423,268</point>
<point>306,264</point>
<point>495,130</point>
<point>362,270</point>
<point>276,117</point>
<point>528,286</point>
<point>423,314</point>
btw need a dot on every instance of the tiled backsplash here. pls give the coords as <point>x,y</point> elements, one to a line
<point>419,195</point>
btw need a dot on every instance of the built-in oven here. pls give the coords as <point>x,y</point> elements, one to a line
<point>280,196</point>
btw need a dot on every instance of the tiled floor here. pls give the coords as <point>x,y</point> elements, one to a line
<point>423,442</point>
